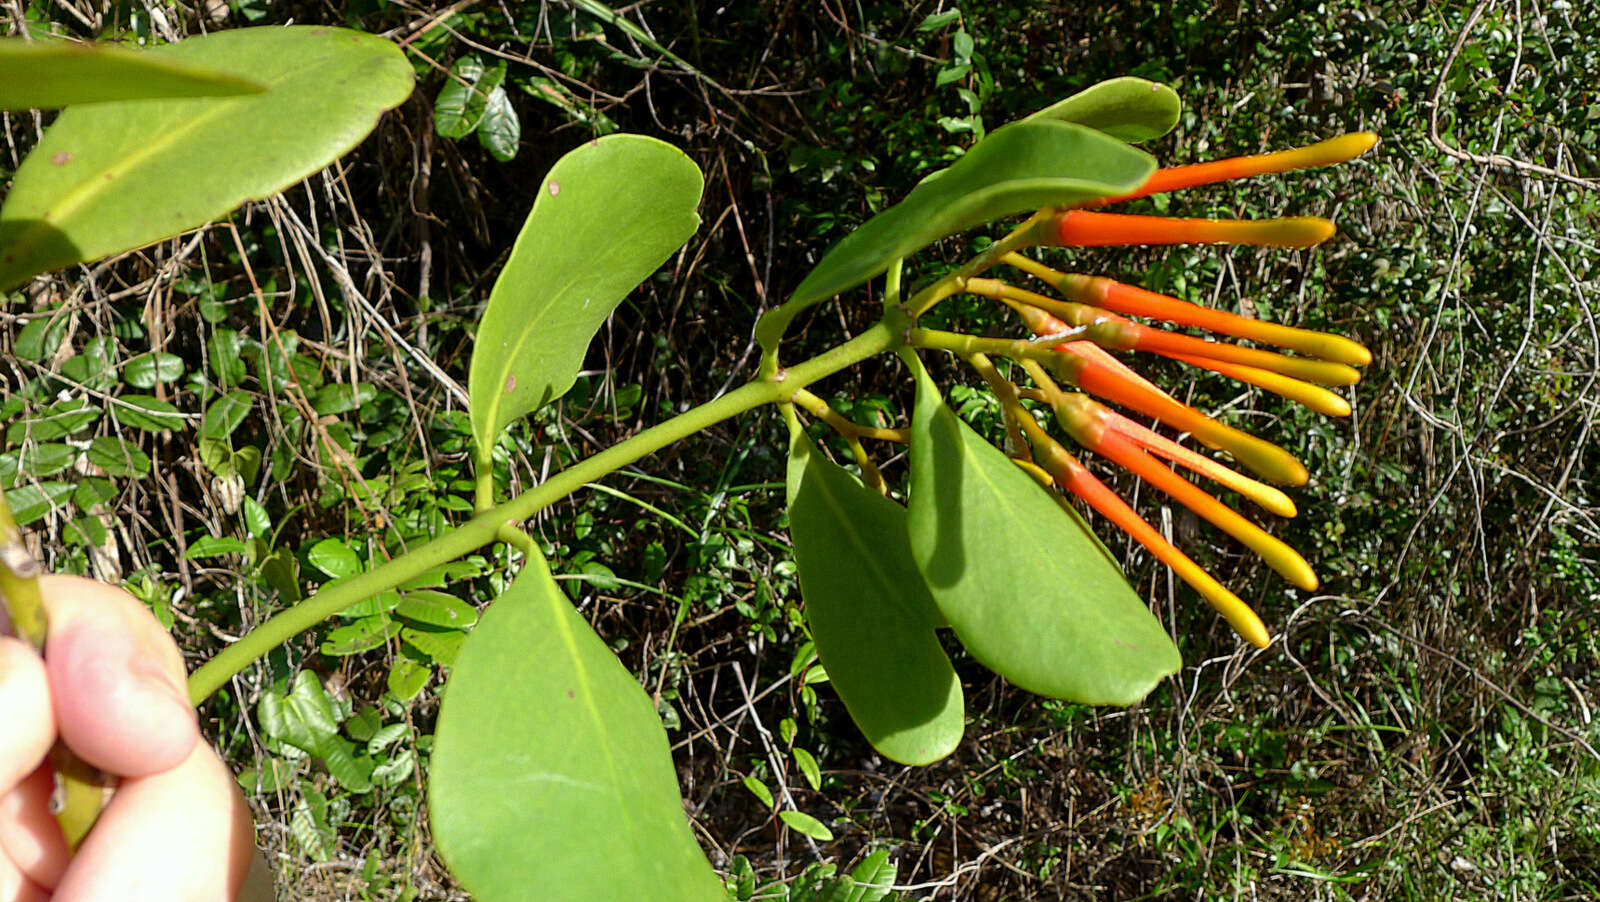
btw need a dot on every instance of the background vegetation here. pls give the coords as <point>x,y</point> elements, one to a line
<point>197,418</point>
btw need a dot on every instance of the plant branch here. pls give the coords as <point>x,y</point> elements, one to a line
<point>486,526</point>
<point>19,586</point>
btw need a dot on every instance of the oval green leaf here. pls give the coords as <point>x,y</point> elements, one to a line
<point>501,130</point>
<point>50,74</point>
<point>551,775</point>
<point>1132,109</point>
<point>32,501</point>
<point>335,558</point>
<point>465,96</point>
<point>225,413</point>
<point>109,177</point>
<point>608,214</point>
<point>116,457</point>
<point>436,644</point>
<point>1017,169</point>
<point>59,419</point>
<point>869,611</point>
<point>152,367</point>
<point>436,609</point>
<point>1025,585</point>
<point>363,635</point>
<point>804,823</point>
<point>147,413</point>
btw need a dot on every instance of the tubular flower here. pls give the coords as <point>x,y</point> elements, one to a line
<point>1090,317</point>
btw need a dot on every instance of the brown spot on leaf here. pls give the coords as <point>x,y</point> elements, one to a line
<point>61,158</point>
<point>555,187</point>
<point>571,694</point>
<point>511,384</point>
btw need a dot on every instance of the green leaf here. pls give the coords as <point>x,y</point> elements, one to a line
<point>551,772</point>
<point>109,177</point>
<point>281,570</point>
<point>869,611</point>
<point>335,558</point>
<point>214,546</point>
<point>1128,108</point>
<point>303,718</point>
<point>1017,169</point>
<point>342,398</point>
<point>93,490</point>
<point>804,823</point>
<point>59,419</point>
<point>407,678</point>
<point>149,369</point>
<point>50,74</point>
<point>873,877</point>
<point>308,825</point>
<point>439,645</point>
<point>500,130</point>
<point>247,463</point>
<point>256,519</point>
<point>381,603</point>
<point>32,501</point>
<point>352,772</point>
<point>760,791</point>
<point>41,336</point>
<point>436,609</point>
<point>85,530</point>
<point>608,214</point>
<point>808,768</point>
<point>35,461</point>
<point>274,776</point>
<point>224,414</point>
<point>363,635</point>
<point>118,458</point>
<point>1024,583</point>
<point>465,96</point>
<point>91,366</point>
<point>147,413</point>
<point>225,354</point>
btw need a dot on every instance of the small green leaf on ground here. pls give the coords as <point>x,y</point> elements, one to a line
<point>804,823</point>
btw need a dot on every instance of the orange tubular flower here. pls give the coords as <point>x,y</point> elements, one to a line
<point>1324,153</point>
<point>1092,320</point>
<point>1076,478</point>
<point>1083,228</point>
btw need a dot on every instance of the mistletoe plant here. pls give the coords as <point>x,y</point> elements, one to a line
<point>551,774</point>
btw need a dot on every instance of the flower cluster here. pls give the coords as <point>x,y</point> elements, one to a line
<point>1088,317</point>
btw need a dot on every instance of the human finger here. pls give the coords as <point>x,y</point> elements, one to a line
<point>184,835</point>
<point>24,710</point>
<point>116,679</point>
<point>29,834</point>
<point>15,887</point>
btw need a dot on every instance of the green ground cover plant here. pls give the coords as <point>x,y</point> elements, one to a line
<point>1416,684</point>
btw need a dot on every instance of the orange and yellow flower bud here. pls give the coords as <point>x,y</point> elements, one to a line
<point>1133,301</point>
<point>1084,228</point>
<point>1075,478</point>
<point>1324,153</point>
<point>1262,457</point>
